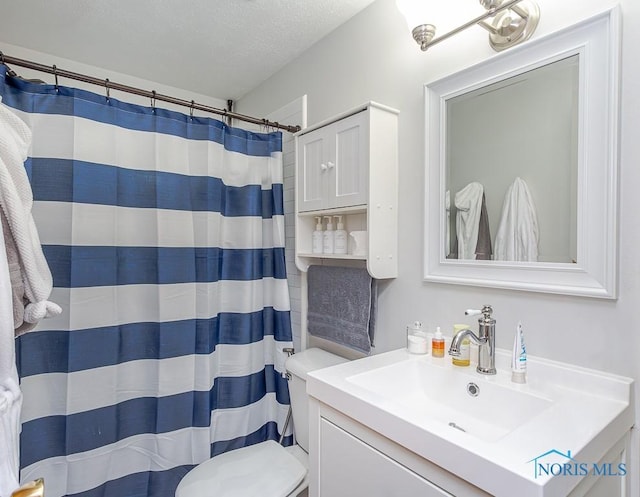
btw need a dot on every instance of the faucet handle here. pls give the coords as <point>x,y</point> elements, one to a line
<point>485,311</point>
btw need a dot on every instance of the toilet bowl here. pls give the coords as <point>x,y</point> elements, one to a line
<point>266,469</point>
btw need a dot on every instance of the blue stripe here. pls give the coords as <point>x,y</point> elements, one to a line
<point>146,484</point>
<point>64,180</point>
<point>164,483</point>
<point>41,352</point>
<point>47,99</point>
<point>64,435</point>
<point>91,266</point>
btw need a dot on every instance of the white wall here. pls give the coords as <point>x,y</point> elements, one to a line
<point>372,57</point>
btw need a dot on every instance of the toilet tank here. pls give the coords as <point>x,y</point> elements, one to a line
<point>298,365</point>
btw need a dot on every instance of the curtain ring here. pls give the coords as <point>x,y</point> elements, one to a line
<point>106,85</point>
<point>1,57</point>
<point>191,109</point>
<point>153,99</point>
<point>55,75</point>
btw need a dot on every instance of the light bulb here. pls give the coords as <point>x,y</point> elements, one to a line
<point>415,12</point>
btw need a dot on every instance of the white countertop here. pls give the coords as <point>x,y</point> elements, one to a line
<point>588,412</point>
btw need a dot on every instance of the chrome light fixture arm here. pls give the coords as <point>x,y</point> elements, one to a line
<point>512,22</point>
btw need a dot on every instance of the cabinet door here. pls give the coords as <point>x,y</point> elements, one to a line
<point>349,467</point>
<point>348,164</point>
<point>312,171</point>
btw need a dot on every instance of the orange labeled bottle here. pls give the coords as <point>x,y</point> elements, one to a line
<point>437,344</point>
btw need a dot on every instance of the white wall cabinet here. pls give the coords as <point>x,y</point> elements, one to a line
<point>332,165</point>
<point>348,166</point>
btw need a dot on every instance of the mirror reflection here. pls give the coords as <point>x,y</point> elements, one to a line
<point>511,168</point>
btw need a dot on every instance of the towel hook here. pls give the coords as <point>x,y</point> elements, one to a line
<point>106,85</point>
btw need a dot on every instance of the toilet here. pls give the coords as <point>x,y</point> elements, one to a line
<point>266,469</point>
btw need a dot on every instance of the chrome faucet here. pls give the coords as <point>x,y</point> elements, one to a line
<point>486,340</point>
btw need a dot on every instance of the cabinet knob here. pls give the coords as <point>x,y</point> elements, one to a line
<point>323,167</point>
<point>330,165</point>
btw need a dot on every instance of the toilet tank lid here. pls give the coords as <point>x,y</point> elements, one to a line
<point>311,359</point>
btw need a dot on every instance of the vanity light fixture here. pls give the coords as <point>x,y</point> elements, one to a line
<point>509,22</point>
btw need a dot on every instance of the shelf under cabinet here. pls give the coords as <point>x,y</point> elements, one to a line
<point>350,257</point>
<point>344,211</point>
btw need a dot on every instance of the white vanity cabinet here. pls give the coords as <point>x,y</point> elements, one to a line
<point>348,166</point>
<point>349,459</point>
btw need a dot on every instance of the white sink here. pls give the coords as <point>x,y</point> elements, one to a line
<point>494,439</point>
<point>485,407</point>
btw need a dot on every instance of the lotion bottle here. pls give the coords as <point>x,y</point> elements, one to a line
<point>437,344</point>
<point>340,238</point>
<point>327,237</point>
<point>464,359</point>
<point>317,243</point>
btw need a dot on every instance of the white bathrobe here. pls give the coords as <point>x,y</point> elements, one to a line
<point>517,237</point>
<point>33,280</point>
<point>10,395</point>
<point>468,201</point>
<point>32,274</point>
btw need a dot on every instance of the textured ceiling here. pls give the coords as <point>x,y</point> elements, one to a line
<point>220,48</point>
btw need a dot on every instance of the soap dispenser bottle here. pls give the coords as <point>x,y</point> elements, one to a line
<point>316,237</point>
<point>437,344</point>
<point>340,238</point>
<point>327,237</point>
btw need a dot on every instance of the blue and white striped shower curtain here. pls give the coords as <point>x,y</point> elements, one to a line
<point>165,237</point>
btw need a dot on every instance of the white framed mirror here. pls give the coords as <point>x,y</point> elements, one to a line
<point>522,166</point>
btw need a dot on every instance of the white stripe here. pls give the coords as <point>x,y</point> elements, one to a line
<point>55,394</point>
<point>225,422</point>
<point>148,151</point>
<point>148,452</point>
<point>95,307</point>
<point>62,297</point>
<point>105,225</point>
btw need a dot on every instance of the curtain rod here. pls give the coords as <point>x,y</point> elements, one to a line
<point>109,85</point>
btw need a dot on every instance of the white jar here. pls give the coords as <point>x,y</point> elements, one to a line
<point>417,342</point>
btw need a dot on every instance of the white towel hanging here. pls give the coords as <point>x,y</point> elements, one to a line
<point>10,394</point>
<point>16,201</point>
<point>517,237</point>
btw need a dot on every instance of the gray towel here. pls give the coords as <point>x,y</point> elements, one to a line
<point>483,246</point>
<point>342,306</point>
